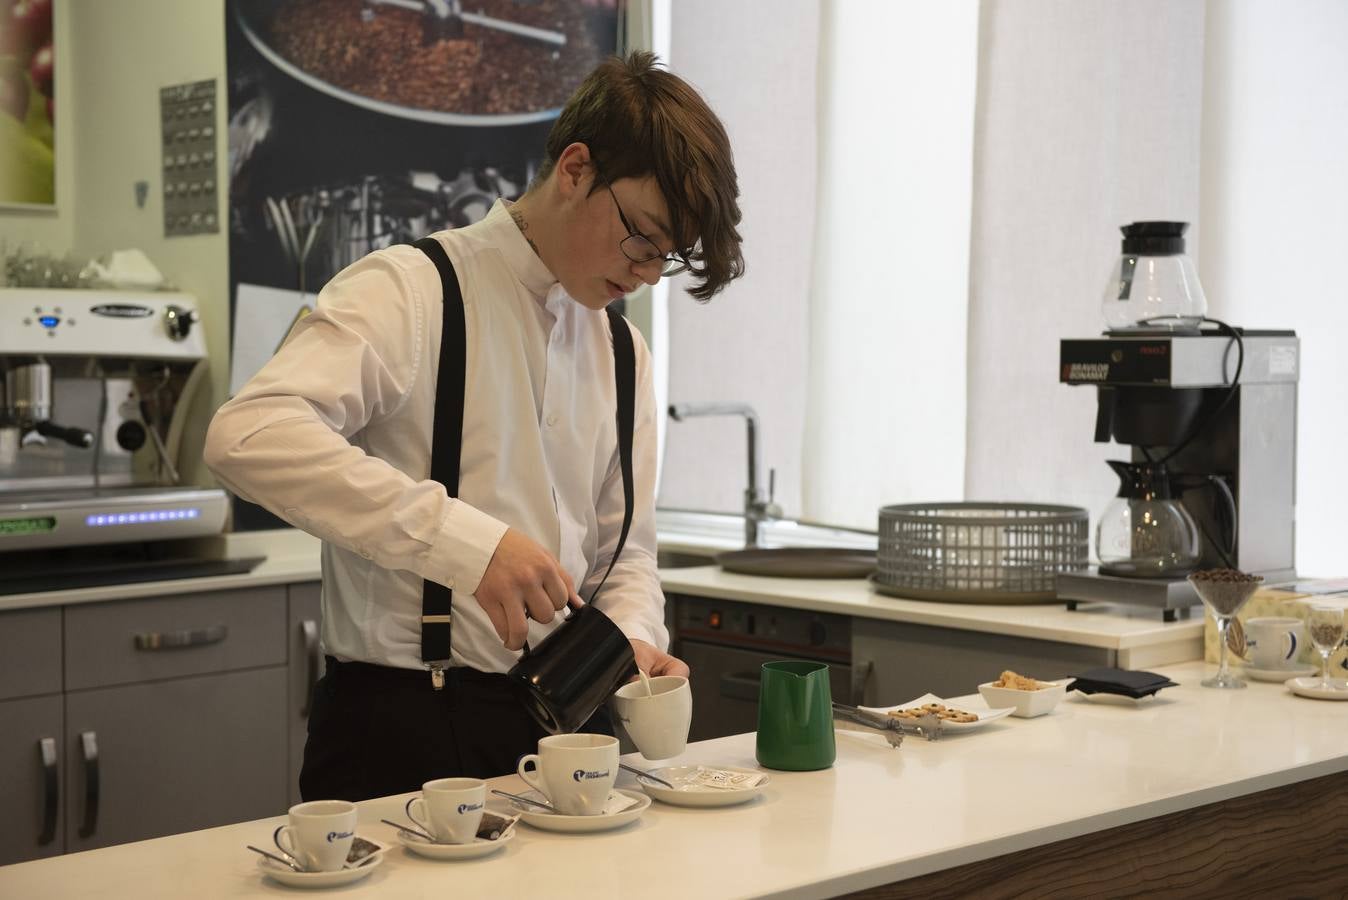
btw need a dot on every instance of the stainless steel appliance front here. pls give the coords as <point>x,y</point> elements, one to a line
<point>725,644</point>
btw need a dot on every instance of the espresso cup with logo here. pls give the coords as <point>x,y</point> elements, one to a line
<point>1274,642</point>
<point>318,835</point>
<point>449,809</point>
<point>574,771</point>
<point>657,722</point>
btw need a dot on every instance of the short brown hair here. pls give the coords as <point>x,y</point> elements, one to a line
<point>639,119</point>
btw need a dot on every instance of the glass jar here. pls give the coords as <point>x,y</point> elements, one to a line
<point>1155,286</point>
<point>1145,532</point>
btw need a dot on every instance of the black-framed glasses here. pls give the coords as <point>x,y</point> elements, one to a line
<point>641,249</point>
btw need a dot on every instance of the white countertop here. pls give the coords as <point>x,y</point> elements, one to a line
<point>291,557</point>
<point>879,815</point>
<point>1090,625</point>
<point>1140,637</point>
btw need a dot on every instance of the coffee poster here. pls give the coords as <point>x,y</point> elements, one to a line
<point>358,124</point>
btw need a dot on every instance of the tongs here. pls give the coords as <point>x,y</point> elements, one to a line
<point>445,18</point>
<point>929,726</point>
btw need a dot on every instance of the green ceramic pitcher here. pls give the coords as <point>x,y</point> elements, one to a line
<point>795,716</point>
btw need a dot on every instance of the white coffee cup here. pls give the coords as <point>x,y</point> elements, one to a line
<point>574,771</point>
<point>1274,642</point>
<point>657,722</point>
<point>449,809</point>
<point>318,835</point>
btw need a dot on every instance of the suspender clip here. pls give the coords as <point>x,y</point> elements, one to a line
<point>437,677</point>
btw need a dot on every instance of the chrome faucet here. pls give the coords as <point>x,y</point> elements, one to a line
<point>756,508</point>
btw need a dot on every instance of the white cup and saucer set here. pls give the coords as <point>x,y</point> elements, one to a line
<point>1272,646</point>
<point>449,812</point>
<point>572,776</point>
<point>656,713</point>
<point>319,847</point>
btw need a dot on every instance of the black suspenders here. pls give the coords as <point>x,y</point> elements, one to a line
<point>447,442</point>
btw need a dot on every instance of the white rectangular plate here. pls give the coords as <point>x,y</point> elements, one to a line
<point>974,705</point>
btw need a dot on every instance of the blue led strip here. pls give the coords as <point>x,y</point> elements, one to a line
<point>102,520</point>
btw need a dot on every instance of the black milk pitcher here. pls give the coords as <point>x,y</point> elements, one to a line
<point>573,671</point>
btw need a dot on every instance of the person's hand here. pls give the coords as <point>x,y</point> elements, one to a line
<point>522,582</point>
<point>654,661</point>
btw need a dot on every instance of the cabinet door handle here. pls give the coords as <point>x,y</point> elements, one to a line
<point>309,629</point>
<point>741,686</point>
<point>861,677</point>
<point>51,802</point>
<point>177,640</point>
<point>89,751</point>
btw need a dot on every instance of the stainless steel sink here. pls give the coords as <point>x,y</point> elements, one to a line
<point>725,531</point>
<point>677,559</point>
<point>700,536</point>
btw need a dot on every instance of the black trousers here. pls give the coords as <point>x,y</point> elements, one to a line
<point>375,731</point>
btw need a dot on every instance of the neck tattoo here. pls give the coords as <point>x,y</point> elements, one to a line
<point>523,226</point>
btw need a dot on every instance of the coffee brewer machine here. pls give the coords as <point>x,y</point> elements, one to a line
<point>96,388</point>
<point>1208,412</point>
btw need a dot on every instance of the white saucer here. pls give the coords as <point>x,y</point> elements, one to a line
<point>1278,674</point>
<point>687,793</point>
<point>550,821</point>
<point>291,878</point>
<point>1310,687</point>
<point>432,850</point>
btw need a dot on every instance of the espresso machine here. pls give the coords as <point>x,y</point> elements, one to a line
<point>1208,415</point>
<point>96,388</point>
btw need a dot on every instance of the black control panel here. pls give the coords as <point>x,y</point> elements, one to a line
<point>1115,361</point>
<point>770,628</point>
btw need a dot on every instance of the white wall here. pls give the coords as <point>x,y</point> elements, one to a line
<point>125,51</point>
<point>1088,119</point>
<point>52,231</point>
<point>889,294</point>
<point>1275,223</point>
<point>757,71</point>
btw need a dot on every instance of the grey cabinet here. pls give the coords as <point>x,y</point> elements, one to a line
<point>146,760</point>
<point>304,669</point>
<point>30,653</point>
<point>31,823</point>
<point>131,719</point>
<point>174,714</point>
<point>130,641</point>
<point>31,735</point>
<point>892,662</point>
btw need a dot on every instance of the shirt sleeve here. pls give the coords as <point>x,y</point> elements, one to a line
<point>289,441</point>
<point>632,596</point>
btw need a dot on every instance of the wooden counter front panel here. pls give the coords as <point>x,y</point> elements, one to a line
<point>1285,842</point>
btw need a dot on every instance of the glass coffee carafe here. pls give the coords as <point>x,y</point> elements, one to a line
<point>1154,286</point>
<point>1146,532</point>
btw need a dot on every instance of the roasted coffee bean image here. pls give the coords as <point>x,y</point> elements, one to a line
<point>399,56</point>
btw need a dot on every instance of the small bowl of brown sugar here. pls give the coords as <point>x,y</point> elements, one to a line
<point>1028,697</point>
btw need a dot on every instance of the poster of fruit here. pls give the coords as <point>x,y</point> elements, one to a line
<point>27,104</point>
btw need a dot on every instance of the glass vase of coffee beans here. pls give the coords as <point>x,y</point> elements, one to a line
<point>1325,624</point>
<point>1224,592</point>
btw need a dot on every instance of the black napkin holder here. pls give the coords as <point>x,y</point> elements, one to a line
<point>1124,682</point>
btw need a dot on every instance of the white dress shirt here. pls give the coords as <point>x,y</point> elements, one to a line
<point>334,436</point>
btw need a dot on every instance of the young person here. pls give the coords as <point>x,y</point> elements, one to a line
<point>344,432</point>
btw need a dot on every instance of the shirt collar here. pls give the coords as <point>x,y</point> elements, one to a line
<point>524,263</point>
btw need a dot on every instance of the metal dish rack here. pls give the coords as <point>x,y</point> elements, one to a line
<point>979,552</point>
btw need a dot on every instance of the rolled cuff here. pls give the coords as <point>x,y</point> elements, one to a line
<point>461,553</point>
